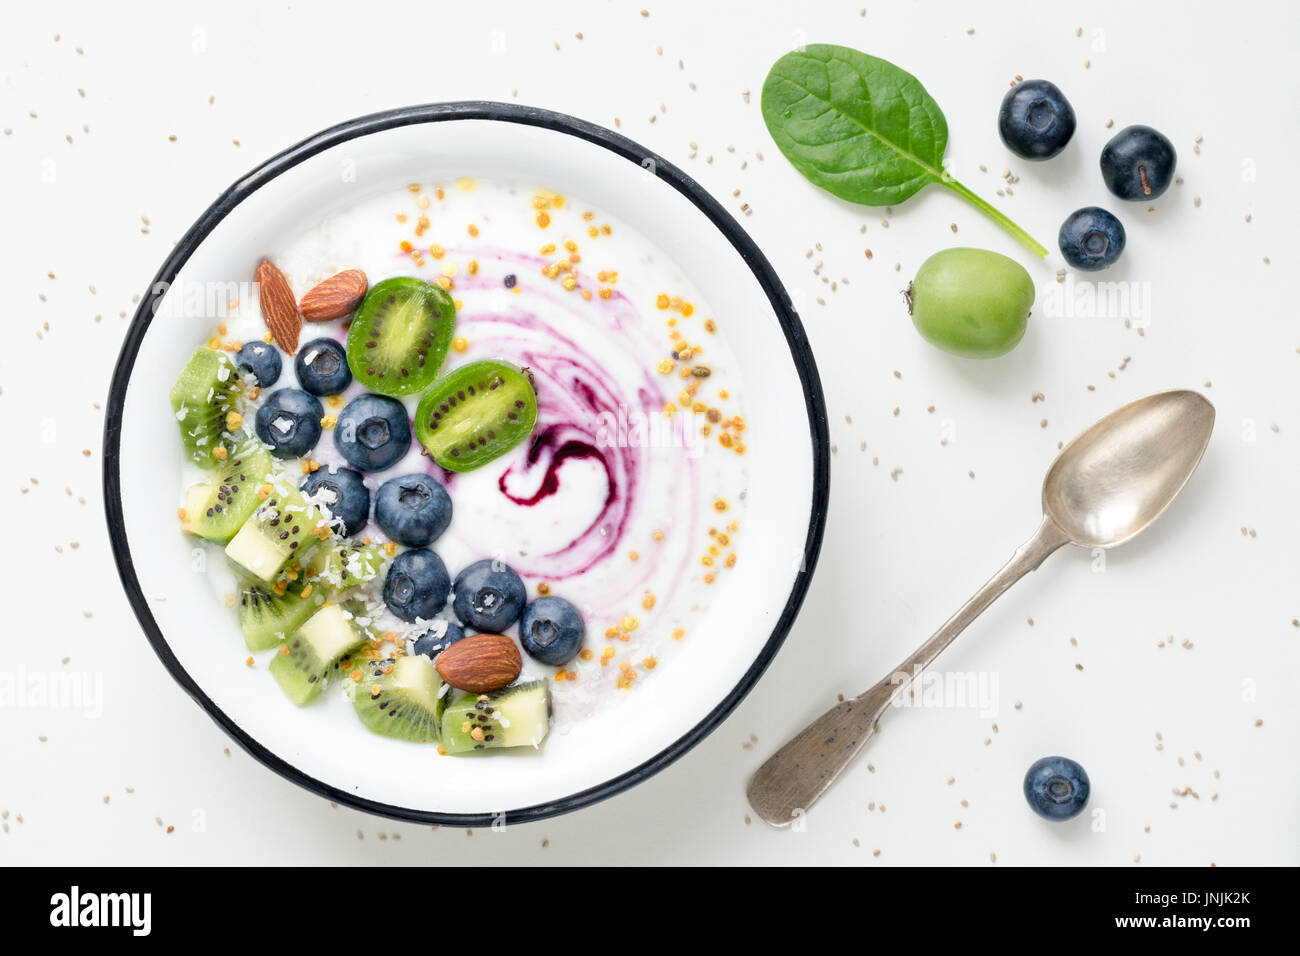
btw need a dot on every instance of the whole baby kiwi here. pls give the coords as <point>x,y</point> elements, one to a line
<point>971,302</point>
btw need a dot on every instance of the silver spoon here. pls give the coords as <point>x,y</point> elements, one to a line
<point>1106,486</point>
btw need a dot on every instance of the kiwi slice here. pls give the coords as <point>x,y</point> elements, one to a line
<point>347,565</point>
<point>202,397</point>
<point>216,509</point>
<point>401,698</point>
<point>309,657</point>
<point>281,528</point>
<point>266,618</point>
<point>515,716</point>
<point>400,335</point>
<point>477,413</point>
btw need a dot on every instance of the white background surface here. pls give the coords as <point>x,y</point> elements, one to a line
<point>900,554</point>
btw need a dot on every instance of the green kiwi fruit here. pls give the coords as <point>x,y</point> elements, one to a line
<point>401,698</point>
<point>346,565</point>
<point>281,529</point>
<point>477,413</point>
<point>202,397</point>
<point>400,336</point>
<point>216,509</point>
<point>267,618</point>
<point>310,656</point>
<point>515,716</point>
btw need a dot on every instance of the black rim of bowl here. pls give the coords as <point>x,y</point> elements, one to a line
<point>494,112</point>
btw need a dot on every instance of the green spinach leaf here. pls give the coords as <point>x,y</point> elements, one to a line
<point>863,129</point>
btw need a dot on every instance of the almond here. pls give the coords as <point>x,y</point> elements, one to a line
<point>480,663</point>
<point>279,310</point>
<point>337,296</point>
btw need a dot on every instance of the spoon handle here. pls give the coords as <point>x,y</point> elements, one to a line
<point>796,776</point>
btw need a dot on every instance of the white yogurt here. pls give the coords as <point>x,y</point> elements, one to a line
<point>628,512</point>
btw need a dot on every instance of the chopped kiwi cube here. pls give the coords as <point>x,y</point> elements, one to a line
<point>310,656</point>
<point>345,566</point>
<point>202,398</point>
<point>401,698</point>
<point>282,528</point>
<point>515,716</point>
<point>400,335</point>
<point>476,414</point>
<point>267,618</point>
<point>217,508</point>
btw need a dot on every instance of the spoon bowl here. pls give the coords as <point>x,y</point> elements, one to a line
<point>1122,473</point>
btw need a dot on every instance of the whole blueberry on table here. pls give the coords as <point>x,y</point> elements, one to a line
<point>413,510</point>
<point>1035,120</point>
<point>440,636</point>
<point>322,367</point>
<point>289,421</point>
<point>416,585</point>
<point>373,432</point>
<point>489,596</point>
<point>1138,163</point>
<point>259,362</point>
<point>1091,239</point>
<point>1057,788</point>
<point>346,496</point>
<point>551,630</point>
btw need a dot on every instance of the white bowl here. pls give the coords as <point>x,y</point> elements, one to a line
<point>324,748</point>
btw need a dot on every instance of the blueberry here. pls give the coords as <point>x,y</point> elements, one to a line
<point>417,585</point>
<point>1036,120</point>
<point>489,596</point>
<point>1091,239</point>
<point>1057,788</point>
<point>322,367</point>
<point>289,422</point>
<point>373,432</point>
<point>345,494</point>
<point>259,362</point>
<point>1138,163</point>
<point>551,630</point>
<point>413,510</point>
<point>440,636</point>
